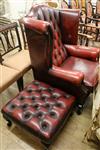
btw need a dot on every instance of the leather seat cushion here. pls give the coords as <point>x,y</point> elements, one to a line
<point>85,66</point>
<point>19,61</point>
<point>7,76</point>
<point>40,108</point>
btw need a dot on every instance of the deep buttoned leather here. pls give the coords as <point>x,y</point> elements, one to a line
<point>54,46</point>
<point>40,108</point>
<point>55,56</point>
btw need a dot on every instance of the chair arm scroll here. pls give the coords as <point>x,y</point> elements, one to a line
<point>37,25</point>
<point>91,53</point>
<point>74,77</point>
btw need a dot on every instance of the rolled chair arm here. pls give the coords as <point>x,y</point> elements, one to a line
<point>74,77</point>
<point>91,53</point>
<point>37,25</point>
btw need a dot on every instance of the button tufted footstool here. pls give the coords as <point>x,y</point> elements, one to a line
<point>40,109</point>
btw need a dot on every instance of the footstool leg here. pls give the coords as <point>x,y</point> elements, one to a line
<point>79,109</point>
<point>46,146</point>
<point>9,123</point>
<point>71,114</point>
<point>46,129</point>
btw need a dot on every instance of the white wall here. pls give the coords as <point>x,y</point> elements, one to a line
<point>16,8</point>
<point>93,1</point>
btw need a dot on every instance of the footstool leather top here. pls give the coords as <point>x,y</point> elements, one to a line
<point>39,108</point>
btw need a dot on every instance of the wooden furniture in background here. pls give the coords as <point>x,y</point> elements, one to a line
<point>15,62</point>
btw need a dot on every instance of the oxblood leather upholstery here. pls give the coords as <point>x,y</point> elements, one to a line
<point>56,58</point>
<point>40,109</point>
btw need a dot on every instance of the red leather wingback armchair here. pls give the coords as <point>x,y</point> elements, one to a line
<point>56,58</point>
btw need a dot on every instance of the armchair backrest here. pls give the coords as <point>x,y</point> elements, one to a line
<point>98,7</point>
<point>63,28</point>
<point>64,4</point>
<point>74,4</point>
<point>10,38</point>
<point>89,9</point>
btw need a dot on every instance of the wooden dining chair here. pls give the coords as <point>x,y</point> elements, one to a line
<point>13,57</point>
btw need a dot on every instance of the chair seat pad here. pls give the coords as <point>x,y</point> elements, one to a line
<point>7,76</point>
<point>19,61</point>
<point>40,108</point>
<point>89,68</point>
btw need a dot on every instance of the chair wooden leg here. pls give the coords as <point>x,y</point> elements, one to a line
<point>97,34</point>
<point>79,109</point>
<point>87,41</point>
<point>20,83</point>
<point>80,40</point>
